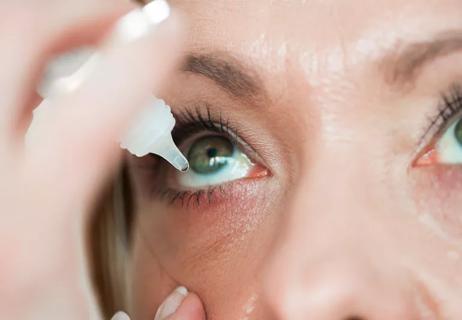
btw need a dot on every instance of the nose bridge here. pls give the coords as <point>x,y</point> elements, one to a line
<point>335,211</point>
<point>332,262</point>
<point>334,194</point>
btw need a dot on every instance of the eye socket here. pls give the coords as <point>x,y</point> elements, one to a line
<point>215,160</point>
<point>446,150</point>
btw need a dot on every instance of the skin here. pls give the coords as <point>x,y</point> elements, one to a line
<point>343,225</point>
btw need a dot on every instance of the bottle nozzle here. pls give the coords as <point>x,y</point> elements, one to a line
<point>166,148</point>
<point>162,145</point>
<point>175,158</point>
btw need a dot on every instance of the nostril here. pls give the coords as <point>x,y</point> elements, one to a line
<point>355,318</point>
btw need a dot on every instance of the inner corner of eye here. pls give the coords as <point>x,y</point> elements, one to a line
<point>446,150</point>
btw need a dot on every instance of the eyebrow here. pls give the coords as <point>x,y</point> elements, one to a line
<point>410,60</point>
<point>227,72</point>
<point>242,82</point>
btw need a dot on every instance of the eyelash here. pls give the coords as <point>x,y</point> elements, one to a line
<point>189,123</point>
<point>448,110</point>
<point>187,198</point>
<point>194,121</point>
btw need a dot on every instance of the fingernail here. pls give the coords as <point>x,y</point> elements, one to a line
<point>140,22</point>
<point>120,316</point>
<point>171,303</point>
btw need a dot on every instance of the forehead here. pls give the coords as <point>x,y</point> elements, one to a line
<point>313,30</point>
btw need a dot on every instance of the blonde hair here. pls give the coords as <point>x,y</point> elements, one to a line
<point>109,244</point>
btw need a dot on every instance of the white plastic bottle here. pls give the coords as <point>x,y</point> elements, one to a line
<point>151,130</point>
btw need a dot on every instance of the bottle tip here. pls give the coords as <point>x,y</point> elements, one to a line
<point>174,156</point>
<point>179,162</point>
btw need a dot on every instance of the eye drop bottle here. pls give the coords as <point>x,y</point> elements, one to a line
<point>151,131</point>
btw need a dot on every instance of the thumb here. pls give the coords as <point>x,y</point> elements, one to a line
<point>181,305</point>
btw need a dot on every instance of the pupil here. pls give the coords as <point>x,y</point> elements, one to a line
<point>212,152</point>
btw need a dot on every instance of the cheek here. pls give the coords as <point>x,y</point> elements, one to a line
<point>189,231</point>
<point>438,195</point>
<point>150,284</point>
<point>215,248</point>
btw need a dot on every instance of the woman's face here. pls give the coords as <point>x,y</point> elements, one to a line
<point>325,145</point>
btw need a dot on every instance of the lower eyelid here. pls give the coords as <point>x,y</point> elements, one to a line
<point>210,197</point>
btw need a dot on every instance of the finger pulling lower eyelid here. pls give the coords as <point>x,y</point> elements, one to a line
<point>168,307</point>
<point>120,316</point>
<point>171,303</point>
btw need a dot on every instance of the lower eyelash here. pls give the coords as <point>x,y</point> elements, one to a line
<point>191,198</point>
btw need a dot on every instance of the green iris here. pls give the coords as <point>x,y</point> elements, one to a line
<point>210,154</point>
<point>458,132</point>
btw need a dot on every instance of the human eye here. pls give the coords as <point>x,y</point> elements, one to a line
<point>446,128</point>
<point>218,158</point>
<point>214,160</point>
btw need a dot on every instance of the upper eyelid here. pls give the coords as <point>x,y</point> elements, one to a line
<point>190,122</point>
<point>449,108</point>
<point>201,116</point>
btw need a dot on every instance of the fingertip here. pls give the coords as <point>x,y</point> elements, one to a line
<point>190,309</point>
<point>120,316</point>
